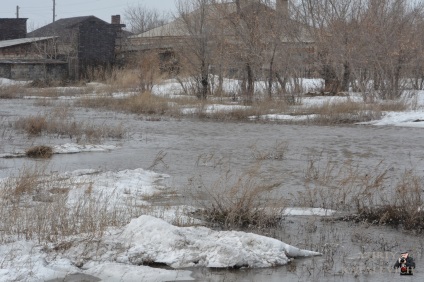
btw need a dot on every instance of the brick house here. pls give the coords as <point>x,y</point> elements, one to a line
<point>85,43</point>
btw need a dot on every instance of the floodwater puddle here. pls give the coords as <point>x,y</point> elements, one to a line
<point>351,251</point>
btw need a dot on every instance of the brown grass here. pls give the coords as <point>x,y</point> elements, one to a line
<point>60,122</point>
<point>33,125</point>
<point>41,152</point>
<point>277,152</point>
<point>370,195</point>
<point>343,113</point>
<point>143,103</point>
<point>12,91</point>
<point>350,112</point>
<point>237,113</point>
<point>242,201</point>
<point>124,79</point>
<point>25,184</point>
<point>34,205</point>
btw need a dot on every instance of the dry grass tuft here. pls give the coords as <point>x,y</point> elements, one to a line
<point>370,195</point>
<point>25,184</point>
<point>143,103</point>
<point>243,201</point>
<point>350,112</point>
<point>343,112</point>
<point>33,125</point>
<point>60,122</point>
<point>42,152</point>
<point>402,208</point>
<point>11,91</point>
<point>35,205</point>
<point>276,153</point>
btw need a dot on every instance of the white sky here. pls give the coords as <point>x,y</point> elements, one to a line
<point>40,12</point>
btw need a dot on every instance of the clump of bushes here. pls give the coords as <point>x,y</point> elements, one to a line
<point>11,91</point>
<point>243,201</point>
<point>143,103</point>
<point>42,152</point>
<point>369,196</point>
<point>61,123</point>
<point>402,208</point>
<point>33,125</point>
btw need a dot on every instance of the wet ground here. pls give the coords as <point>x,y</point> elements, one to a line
<point>352,252</point>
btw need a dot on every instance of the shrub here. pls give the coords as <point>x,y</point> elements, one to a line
<point>35,205</point>
<point>365,195</point>
<point>60,121</point>
<point>348,112</point>
<point>238,201</point>
<point>42,152</point>
<point>11,91</point>
<point>143,103</point>
<point>32,125</point>
<point>27,182</point>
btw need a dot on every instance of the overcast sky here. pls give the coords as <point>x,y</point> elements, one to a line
<point>40,12</point>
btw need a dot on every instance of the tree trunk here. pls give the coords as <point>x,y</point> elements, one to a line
<point>271,73</point>
<point>346,77</point>
<point>250,84</point>
<point>204,81</point>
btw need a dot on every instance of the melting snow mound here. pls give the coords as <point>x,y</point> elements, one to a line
<point>152,239</point>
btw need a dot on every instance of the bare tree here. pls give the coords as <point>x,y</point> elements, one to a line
<point>364,43</point>
<point>197,53</point>
<point>251,28</point>
<point>140,18</point>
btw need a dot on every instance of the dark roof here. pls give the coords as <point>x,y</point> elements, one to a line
<point>20,41</point>
<point>31,61</point>
<point>58,27</point>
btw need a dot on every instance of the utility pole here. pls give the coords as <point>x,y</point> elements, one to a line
<point>54,10</point>
<point>17,12</point>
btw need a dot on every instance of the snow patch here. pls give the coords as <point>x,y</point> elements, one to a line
<point>154,239</point>
<point>72,148</point>
<point>308,212</point>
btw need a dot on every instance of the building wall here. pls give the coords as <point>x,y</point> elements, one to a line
<point>84,42</point>
<point>5,70</point>
<point>13,28</point>
<point>24,51</point>
<point>34,71</point>
<point>96,44</point>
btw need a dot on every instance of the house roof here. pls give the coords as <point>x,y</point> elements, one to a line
<point>174,28</point>
<point>60,26</point>
<point>178,27</point>
<point>31,61</point>
<point>295,32</point>
<point>14,42</point>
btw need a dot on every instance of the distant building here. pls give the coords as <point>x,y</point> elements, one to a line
<point>13,28</point>
<point>31,59</point>
<point>169,39</point>
<point>85,43</point>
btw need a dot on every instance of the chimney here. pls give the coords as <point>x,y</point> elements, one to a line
<point>116,19</point>
<point>282,7</point>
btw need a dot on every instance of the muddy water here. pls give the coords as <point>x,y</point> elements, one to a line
<point>192,147</point>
